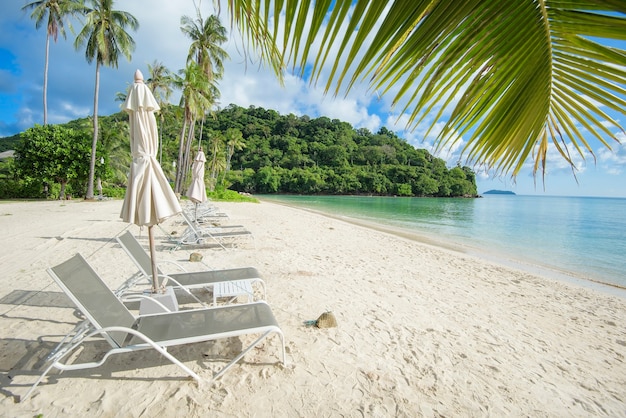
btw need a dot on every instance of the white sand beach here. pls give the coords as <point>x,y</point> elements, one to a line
<point>422,330</point>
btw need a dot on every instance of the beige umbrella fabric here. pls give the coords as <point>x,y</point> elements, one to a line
<point>149,197</point>
<point>197,190</point>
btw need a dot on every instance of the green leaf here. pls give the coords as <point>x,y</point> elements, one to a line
<point>528,73</point>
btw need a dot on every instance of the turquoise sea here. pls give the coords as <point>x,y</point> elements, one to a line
<point>577,237</point>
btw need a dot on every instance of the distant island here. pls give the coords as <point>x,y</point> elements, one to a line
<point>499,192</point>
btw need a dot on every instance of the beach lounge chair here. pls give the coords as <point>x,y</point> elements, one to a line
<point>106,316</point>
<point>204,212</point>
<point>226,283</point>
<point>198,235</point>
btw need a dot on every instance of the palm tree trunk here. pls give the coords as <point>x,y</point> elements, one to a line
<point>45,83</point>
<point>94,143</point>
<point>186,157</point>
<point>179,167</point>
<point>214,171</point>
<point>184,160</point>
<point>62,191</point>
<point>230,150</point>
<point>161,138</point>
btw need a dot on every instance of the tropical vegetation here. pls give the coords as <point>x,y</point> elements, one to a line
<point>199,81</point>
<point>291,154</point>
<point>53,154</point>
<point>53,160</point>
<point>254,150</point>
<point>105,38</point>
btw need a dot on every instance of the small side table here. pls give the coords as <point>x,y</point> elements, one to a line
<point>232,290</point>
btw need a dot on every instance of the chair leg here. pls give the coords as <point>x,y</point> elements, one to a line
<point>32,388</point>
<point>250,347</point>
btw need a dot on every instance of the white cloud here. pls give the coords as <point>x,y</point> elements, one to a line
<point>423,136</point>
<point>613,161</point>
<point>557,164</point>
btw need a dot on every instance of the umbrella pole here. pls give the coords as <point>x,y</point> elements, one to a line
<point>155,274</point>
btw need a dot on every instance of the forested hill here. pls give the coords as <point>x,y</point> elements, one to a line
<point>291,154</point>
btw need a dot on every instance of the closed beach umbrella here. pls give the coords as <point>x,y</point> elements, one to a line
<point>197,190</point>
<point>149,197</point>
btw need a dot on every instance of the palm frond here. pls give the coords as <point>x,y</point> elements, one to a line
<point>510,76</point>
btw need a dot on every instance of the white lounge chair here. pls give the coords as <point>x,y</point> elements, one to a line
<point>229,283</point>
<point>106,316</point>
<point>198,235</point>
<point>204,212</point>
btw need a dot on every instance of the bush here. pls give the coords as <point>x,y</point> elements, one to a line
<point>21,189</point>
<point>114,192</point>
<point>226,195</point>
<point>9,189</point>
<point>404,190</point>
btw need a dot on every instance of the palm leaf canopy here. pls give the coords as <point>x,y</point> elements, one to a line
<point>104,33</point>
<point>55,11</point>
<point>510,77</point>
<point>207,36</point>
<point>198,92</point>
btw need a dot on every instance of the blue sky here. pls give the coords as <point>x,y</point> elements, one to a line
<point>71,89</point>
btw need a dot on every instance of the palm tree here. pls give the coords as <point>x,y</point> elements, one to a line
<point>56,12</point>
<point>234,142</point>
<point>106,38</point>
<point>120,96</point>
<point>217,163</point>
<point>204,66</point>
<point>512,77</point>
<point>160,83</point>
<point>196,97</point>
<point>207,36</point>
<point>115,144</point>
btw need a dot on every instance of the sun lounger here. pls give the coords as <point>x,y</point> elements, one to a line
<point>106,316</point>
<point>229,283</point>
<point>198,235</point>
<point>203,212</point>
